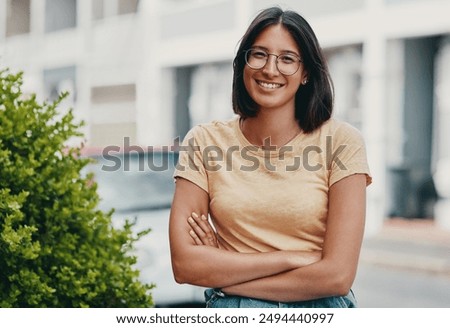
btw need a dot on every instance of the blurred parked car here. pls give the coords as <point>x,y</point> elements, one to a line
<point>140,186</point>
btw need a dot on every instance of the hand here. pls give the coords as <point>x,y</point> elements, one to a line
<point>202,232</point>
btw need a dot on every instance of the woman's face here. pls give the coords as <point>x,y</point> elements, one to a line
<point>267,86</point>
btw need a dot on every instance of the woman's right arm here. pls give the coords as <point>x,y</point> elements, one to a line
<point>213,267</point>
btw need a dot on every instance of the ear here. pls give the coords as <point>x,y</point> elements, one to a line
<point>305,78</point>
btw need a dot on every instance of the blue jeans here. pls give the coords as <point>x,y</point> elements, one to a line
<point>215,298</point>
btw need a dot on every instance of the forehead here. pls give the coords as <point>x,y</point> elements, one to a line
<point>276,38</point>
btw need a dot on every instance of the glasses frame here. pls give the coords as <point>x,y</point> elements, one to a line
<point>267,60</point>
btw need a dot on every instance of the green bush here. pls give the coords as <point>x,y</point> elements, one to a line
<point>56,248</point>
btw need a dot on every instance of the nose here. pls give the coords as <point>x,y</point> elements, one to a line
<point>271,68</point>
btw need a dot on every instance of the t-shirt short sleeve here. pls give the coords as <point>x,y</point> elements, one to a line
<point>190,164</point>
<point>347,155</point>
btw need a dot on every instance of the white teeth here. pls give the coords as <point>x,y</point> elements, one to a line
<point>269,85</point>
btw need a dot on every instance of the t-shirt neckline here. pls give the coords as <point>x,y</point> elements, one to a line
<point>258,150</point>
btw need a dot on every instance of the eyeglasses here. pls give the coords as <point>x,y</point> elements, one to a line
<point>287,64</point>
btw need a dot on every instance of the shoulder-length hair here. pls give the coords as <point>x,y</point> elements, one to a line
<point>314,100</point>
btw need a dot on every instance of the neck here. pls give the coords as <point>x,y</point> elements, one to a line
<point>278,126</point>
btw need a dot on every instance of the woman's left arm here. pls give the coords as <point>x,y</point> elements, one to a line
<point>334,274</point>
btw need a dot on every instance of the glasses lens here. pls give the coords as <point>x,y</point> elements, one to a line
<point>288,64</point>
<point>256,58</point>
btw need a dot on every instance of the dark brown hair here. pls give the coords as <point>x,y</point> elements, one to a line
<point>313,101</point>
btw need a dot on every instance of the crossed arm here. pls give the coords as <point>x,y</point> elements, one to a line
<point>283,276</point>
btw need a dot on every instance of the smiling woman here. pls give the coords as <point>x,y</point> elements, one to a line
<point>264,230</point>
<point>266,84</point>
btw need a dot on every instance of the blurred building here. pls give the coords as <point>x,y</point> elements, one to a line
<point>151,69</point>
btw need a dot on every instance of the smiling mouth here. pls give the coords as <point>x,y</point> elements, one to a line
<point>267,85</point>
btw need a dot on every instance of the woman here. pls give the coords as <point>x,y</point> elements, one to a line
<point>284,183</point>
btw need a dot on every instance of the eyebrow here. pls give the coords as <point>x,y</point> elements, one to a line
<point>282,51</point>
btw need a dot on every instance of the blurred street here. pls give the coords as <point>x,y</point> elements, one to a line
<point>387,287</point>
<point>406,265</point>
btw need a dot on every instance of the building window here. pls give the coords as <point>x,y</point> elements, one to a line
<point>210,97</point>
<point>60,14</point>
<point>61,79</point>
<point>17,17</point>
<point>113,94</point>
<point>345,65</point>
<point>128,6</point>
<point>107,8</point>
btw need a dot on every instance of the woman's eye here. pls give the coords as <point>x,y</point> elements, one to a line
<point>287,59</point>
<point>259,54</point>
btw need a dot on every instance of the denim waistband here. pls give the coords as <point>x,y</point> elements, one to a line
<point>215,298</point>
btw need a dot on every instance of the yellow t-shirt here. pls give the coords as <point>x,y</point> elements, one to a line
<point>274,198</point>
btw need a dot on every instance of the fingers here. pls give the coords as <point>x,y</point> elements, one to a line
<point>202,232</point>
<point>196,232</point>
<point>201,229</point>
<point>195,237</point>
